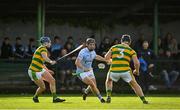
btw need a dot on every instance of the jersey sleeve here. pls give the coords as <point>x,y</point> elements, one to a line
<point>80,55</point>
<point>133,53</point>
<point>43,50</point>
<point>111,48</point>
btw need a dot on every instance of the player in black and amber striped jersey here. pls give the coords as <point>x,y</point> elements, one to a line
<point>121,55</point>
<point>39,73</point>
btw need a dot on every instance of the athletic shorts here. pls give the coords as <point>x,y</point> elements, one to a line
<point>36,75</point>
<point>89,74</point>
<point>126,76</point>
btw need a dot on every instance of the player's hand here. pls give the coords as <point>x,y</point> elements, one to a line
<point>136,72</point>
<point>53,62</point>
<point>51,72</point>
<point>109,61</point>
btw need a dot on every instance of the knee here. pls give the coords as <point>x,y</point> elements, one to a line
<point>92,85</point>
<point>133,83</point>
<point>108,81</point>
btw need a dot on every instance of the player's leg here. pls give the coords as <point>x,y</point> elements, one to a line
<point>85,92</point>
<point>87,80</point>
<point>98,95</point>
<point>36,77</point>
<point>41,88</point>
<point>109,85</point>
<point>137,89</point>
<point>173,76</point>
<point>88,89</point>
<point>49,78</point>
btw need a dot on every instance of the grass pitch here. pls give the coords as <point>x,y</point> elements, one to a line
<point>75,102</point>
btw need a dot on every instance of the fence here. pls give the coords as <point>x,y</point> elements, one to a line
<point>14,77</point>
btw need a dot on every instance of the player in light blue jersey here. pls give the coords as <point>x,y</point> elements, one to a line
<point>84,68</point>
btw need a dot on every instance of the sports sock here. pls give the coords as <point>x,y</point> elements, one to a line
<point>54,95</point>
<point>142,98</point>
<point>35,96</point>
<point>87,90</point>
<point>108,93</point>
<point>99,96</point>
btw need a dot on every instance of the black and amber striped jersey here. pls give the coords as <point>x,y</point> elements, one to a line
<point>121,57</point>
<point>37,59</point>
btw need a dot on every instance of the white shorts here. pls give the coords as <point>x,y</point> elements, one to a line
<point>36,75</point>
<point>89,74</point>
<point>126,76</point>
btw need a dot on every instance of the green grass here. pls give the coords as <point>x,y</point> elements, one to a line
<point>75,102</point>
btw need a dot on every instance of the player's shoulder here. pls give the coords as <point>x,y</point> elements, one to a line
<point>115,46</point>
<point>41,48</point>
<point>82,51</point>
<point>122,46</point>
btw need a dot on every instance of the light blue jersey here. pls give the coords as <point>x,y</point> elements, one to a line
<point>86,58</point>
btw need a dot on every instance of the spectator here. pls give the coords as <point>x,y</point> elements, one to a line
<point>19,50</point>
<point>79,42</point>
<point>66,67</point>
<point>31,48</point>
<point>68,47</point>
<point>146,57</point>
<point>115,42</point>
<point>138,43</point>
<point>169,72</point>
<point>104,46</point>
<point>70,40</point>
<point>160,47</point>
<point>56,47</point>
<point>72,57</point>
<point>167,41</point>
<point>173,47</point>
<point>6,49</point>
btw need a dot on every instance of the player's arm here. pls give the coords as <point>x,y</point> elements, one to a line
<point>50,71</point>
<point>108,56</point>
<point>98,57</point>
<point>47,59</point>
<point>79,65</point>
<point>136,65</point>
